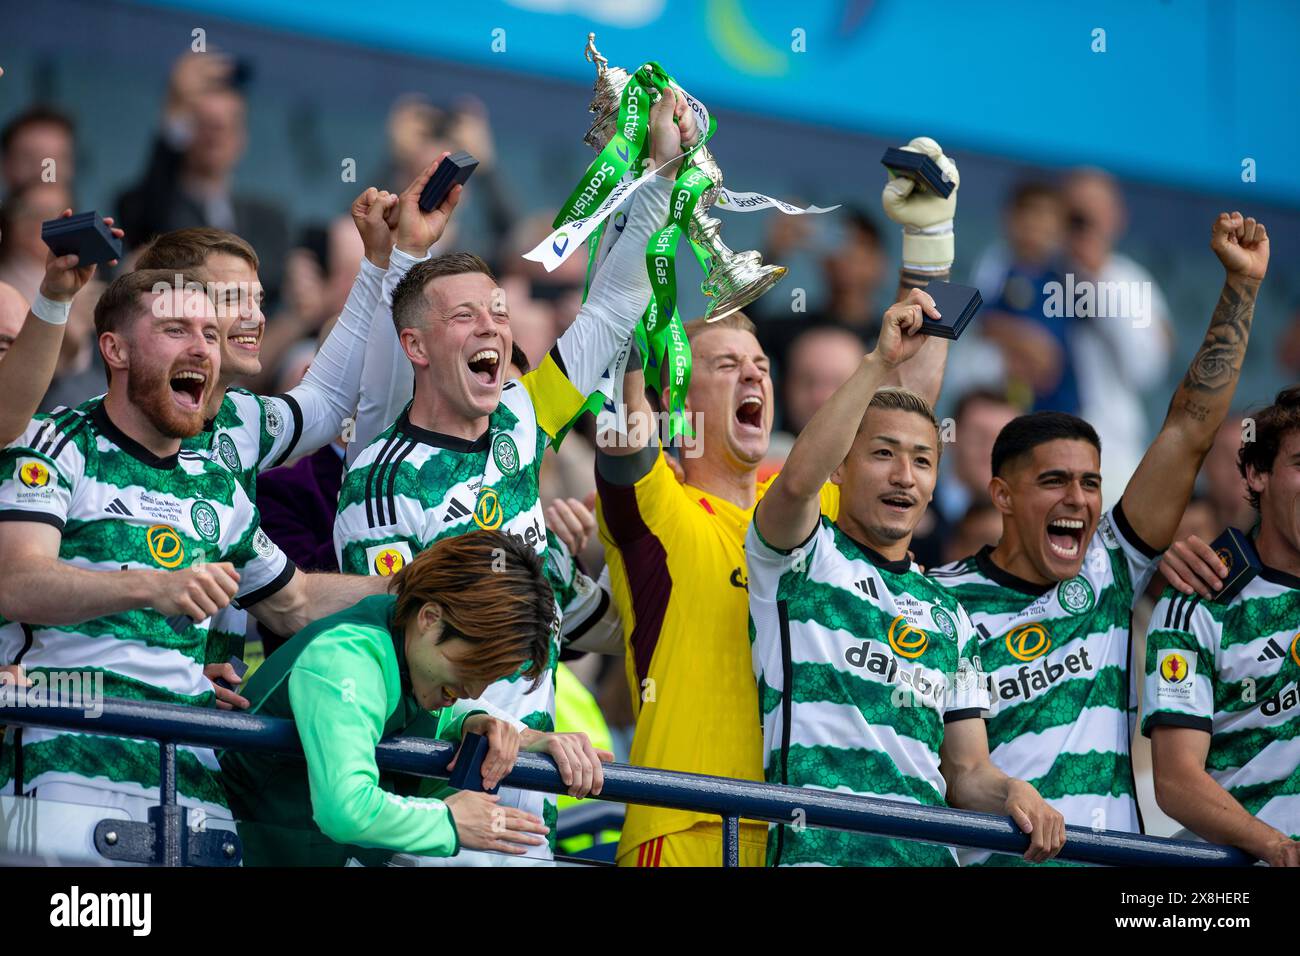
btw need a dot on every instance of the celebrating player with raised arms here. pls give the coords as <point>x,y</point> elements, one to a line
<point>467,450</point>
<point>676,551</point>
<point>1221,701</point>
<point>868,672</point>
<point>249,433</point>
<point>1053,600</point>
<point>108,529</point>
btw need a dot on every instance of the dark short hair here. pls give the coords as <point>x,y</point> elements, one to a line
<point>190,248</point>
<point>39,115</point>
<point>1024,433</point>
<point>1272,425</point>
<point>862,221</point>
<point>409,303</point>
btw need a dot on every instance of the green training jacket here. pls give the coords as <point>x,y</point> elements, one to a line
<point>344,682</point>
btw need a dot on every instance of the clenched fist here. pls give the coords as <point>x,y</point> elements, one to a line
<point>1241,245</point>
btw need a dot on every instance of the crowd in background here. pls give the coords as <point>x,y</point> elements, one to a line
<point>1018,356</point>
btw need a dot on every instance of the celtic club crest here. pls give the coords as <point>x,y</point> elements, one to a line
<point>506,455</point>
<point>1076,595</point>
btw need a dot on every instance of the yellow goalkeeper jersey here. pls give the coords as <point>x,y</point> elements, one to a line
<point>676,558</point>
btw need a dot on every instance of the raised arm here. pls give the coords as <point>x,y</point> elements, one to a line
<point>928,253</point>
<point>343,370</point>
<point>388,380</point>
<point>791,508</point>
<point>28,368</point>
<point>1159,490</point>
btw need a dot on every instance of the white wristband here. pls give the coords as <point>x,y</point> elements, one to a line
<point>928,248</point>
<point>47,310</point>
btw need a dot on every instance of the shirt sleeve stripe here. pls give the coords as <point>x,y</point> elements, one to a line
<point>41,517</point>
<point>295,410</point>
<point>266,590</point>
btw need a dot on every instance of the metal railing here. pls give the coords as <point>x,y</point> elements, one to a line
<point>166,836</point>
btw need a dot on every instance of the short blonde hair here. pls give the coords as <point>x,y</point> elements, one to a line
<point>736,320</point>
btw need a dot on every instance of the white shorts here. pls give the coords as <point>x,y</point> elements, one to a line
<point>57,827</point>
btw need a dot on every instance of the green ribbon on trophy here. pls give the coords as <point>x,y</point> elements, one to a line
<point>669,351</point>
<point>659,333</point>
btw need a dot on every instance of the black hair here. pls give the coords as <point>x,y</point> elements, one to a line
<point>1024,433</point>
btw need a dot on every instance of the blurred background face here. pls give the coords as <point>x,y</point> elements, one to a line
<point>820,361</point>
<point>980,526</point>
<point>1225,487</point>
<point>219,134</point>
<point>731,389</point>
<point>856,265</point>
<point>1095,216</point>
<point>35,205</point>
<point>977,430</point>
<point>1036,228</point>
<point>888,478</point>
<point>13,311</point>
<point>33,144</point>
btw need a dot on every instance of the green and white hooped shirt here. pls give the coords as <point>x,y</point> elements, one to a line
<point>861,662</point>
<point>1233,671</point>
<point>120,507</point>
<point>1057,658</point>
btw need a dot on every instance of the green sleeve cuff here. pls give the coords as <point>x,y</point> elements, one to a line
<point>451,724</point>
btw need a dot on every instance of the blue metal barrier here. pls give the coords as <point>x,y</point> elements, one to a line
<point>728,798</point>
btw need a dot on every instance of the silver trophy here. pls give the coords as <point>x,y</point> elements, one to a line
<point>734,279</point>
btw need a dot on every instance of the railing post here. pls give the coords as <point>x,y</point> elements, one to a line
<point>730,841</point>
<point>170,814</point>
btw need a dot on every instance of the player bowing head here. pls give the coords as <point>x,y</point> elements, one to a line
<point>453,324</point>
<point>464,627</point>
<point>161,342</point>
<point>1047,484</point>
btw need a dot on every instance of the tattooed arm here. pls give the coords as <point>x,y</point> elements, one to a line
<point>1159,490</point>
